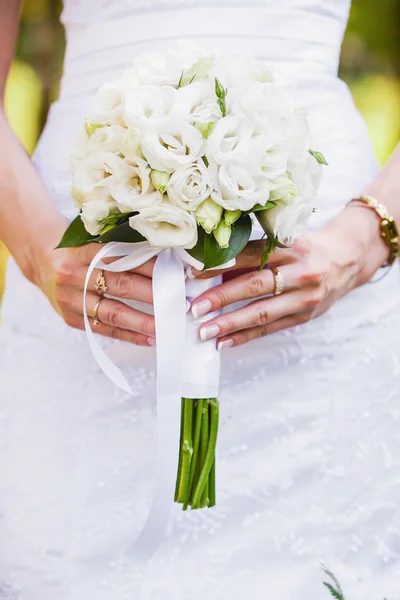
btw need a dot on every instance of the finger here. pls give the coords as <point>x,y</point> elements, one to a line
<point>76,321</point>
<point>241,337</point>
<point>250,258</point>
<point>253,315</point>
<point>85,255</point>
<point>244,287</point>
<point>117,314</point>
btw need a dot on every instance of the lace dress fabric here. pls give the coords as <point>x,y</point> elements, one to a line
<point>309,444</point>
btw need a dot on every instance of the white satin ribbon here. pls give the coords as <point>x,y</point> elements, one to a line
<point>185,366</point>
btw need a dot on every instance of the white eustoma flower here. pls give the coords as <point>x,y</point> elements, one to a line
<point>107,108</point>
<point>307,173</point>
<point>166,226</point>
<point>283,189</point>
<point>146,106</point>
<point>239,71</point>
<point>296,131</point>
<point>166,68</point>
<point>189,186</point>
<point>106,139</point>
<point>94,211</point>
<point>289,221</point>
<point>234,140</point>
<point>197,102</point>
<point>265,103</point>
<point>209,215</point>
<point>131,143</point>
<point>93,172</point>
<point>79,149</point>
<point>177,144</point>
<point>236,189</point>
<point>274,160</point>
<point>131,186</point>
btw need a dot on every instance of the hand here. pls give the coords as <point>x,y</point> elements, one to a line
<point>317,271</point>
<point>62,275</point>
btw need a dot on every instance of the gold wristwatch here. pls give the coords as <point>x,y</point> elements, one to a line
<point>389,230</point>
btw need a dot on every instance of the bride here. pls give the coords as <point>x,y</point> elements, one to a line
<point>309,443</point>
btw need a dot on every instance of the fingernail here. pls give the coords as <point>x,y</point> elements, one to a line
<point>188,305</point>
<point>225,344</point>
<point>151,341</point>
<point>201,308</point>
<point>211,331</point>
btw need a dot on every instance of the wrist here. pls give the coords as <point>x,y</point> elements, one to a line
<point>360,227</point>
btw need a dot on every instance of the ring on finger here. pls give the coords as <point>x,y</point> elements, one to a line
<point>279,281</point>
<point>95,316</point>
<point>100,285</point>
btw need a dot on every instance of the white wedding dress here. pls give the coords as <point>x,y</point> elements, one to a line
<point>309,444</point>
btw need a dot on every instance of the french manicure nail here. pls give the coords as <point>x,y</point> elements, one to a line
<point>201,308</point>
<point>151,341</point>
<point>225,344</point>
<point>188,305</point>
<point>189,273</point>
<point>208,332</point>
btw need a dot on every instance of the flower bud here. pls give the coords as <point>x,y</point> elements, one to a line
<point>231,216</point>
<point>205,128</point>
<point>91,127</point>
<point>160,180</point>
<point>209,215</point>
<point>223,234</point>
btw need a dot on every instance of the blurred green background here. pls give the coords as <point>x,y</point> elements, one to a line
<point>370,64</point>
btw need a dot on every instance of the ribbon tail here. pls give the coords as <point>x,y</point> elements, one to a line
<point>170,313</point>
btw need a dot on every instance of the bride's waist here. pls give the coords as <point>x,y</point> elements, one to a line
<point>303,44</point>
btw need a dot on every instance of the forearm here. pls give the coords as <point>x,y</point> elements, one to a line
<point>30,224</point>
<point>362,225</point>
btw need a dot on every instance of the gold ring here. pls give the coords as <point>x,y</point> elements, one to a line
<point>100,285</point>
<point>96,320</point>
<point>279,281</point>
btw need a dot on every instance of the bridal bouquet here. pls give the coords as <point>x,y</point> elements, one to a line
<point>190,150</point>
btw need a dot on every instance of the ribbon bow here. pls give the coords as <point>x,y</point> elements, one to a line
<point>185,366</point>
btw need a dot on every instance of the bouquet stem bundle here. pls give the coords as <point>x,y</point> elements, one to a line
<point>195,484</point>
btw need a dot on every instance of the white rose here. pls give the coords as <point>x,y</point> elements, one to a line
<point>197,102</point>
<point>131,186</point>
<point>289,221</point>
<point>176,145</point>
<point>94,211</point>
<point>234,140</point>
<point>93,173</point>
<point>189,186</point>
<point>107,109</point>
<point>146,106</point>
<point>166,68</point>
<point>166,226</point>
<point>237,189</point>
<point>106,139</point>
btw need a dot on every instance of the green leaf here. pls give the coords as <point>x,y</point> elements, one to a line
<point>319,157</point>
<point>221,93</point>
<point>270,246</point>
<point>334,592</point>
<point>120,233</point>
<point>215,256</point>
<point>198,251</point>
<point>76,235</point>
<point>205,161</point>
<point>259,207</point>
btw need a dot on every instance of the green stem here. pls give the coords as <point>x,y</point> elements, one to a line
<point>205,433</point>
<point>210,454</point>
<point>186,450</point>
<point>179,473</point>
<point>212,484</point>
<point>198,410</point>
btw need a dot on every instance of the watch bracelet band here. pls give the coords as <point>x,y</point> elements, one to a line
<point>388,227</point>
